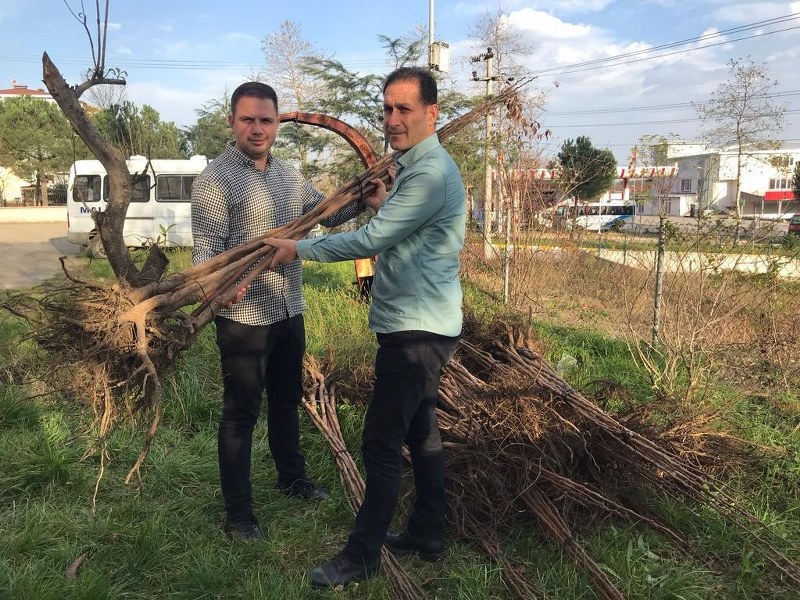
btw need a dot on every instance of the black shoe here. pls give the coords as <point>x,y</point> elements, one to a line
<point>303,488</point>
<point>243,527</point>
<point>405,543</point>
<point>341,570</point>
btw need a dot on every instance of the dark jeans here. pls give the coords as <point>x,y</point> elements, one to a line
<point>254,358</point>
<point>408,367</point>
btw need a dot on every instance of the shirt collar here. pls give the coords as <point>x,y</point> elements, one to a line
<point>416,152</point>
<point>243,158</point>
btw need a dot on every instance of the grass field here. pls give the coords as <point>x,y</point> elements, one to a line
<point>165,540</point>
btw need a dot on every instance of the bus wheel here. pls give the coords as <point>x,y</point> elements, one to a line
<point>96,249</point>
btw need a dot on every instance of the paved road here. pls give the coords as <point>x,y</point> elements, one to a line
<point>30,253</point>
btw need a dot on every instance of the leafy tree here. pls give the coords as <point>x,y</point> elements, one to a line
<point>36,141</point>
<point>211,132</point>
<point>586,171</point>
<point>309,81</point>
<point>742,116</point>
<point>357,99</point>
<point>409,49</point>
<point>140,131</point>
<point>796,181</point>
<point>351,97</point>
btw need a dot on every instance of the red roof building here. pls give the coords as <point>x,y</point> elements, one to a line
<point>16,90</point>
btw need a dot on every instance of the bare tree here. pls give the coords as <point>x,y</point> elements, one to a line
<point>111,221</point>
<point>106,96</point>
<point>742,115</point>
<point>494,30</point>
<point>503,44</point>
<point>285,53</point>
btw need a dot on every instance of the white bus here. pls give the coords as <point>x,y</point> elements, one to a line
<point>597,216</point>
<point>160,207</point>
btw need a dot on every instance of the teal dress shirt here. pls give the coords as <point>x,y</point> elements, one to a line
<point>417,237</point>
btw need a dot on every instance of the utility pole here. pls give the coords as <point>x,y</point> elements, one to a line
<point>488,58</point>
<point>431,62</point>
<point>438,52</point>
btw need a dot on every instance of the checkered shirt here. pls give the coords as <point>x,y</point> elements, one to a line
<point>233,202</point>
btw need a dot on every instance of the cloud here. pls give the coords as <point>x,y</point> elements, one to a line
<point>578,6</point>
<point>748,12</point>
<point>239,36</point>
<point>120,50</point>
<point>541,25</point>
<point>553,7</point>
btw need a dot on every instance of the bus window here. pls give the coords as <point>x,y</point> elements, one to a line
<point>86,188</point>
<point>174,188</point>
<point>140,188</point>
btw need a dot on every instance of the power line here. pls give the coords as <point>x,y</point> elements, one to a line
<point>663,122</point>
<point>599,111</point>
<point>606,62</point>
<point>609,60</point>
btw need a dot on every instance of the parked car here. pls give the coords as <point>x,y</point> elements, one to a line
<point>794,224</point>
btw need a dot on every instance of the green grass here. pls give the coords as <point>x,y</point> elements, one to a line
<point>166,542</point>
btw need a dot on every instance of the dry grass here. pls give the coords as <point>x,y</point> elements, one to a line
<point>713,323</point>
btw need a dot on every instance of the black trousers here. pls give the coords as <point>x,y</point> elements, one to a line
<point>255,358</point>
<point>408,367</point>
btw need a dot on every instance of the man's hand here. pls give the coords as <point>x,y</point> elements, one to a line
<point>285,251</point>
<point>239,295</point>
<point>378,198</point>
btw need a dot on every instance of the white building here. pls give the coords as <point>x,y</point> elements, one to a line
<point>707,179</point>
<point>13,190</point>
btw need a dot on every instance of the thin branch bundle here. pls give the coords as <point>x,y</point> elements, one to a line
<point>320,404</point>
<point>519,439</point>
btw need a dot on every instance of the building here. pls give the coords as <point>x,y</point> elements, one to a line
<point>707,180</point>
<point>650,187</point>
<point>18,90</point>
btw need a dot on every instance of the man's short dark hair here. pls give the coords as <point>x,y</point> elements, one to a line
<point>253,89</point>
<point>428,90</point>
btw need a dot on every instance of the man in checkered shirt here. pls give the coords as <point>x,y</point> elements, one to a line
<point>241,195</point>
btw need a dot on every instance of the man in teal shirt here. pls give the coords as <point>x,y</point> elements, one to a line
<point>417,236</point>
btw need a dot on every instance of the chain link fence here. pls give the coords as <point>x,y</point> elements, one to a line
<point>697,300</point>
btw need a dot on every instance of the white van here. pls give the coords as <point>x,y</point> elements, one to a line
<point>160,207</point>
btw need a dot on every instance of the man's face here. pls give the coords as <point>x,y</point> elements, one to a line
<point>255,125</point>
<point>406,120</point>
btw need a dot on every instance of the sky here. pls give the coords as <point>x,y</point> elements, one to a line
<point>180,54</point>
